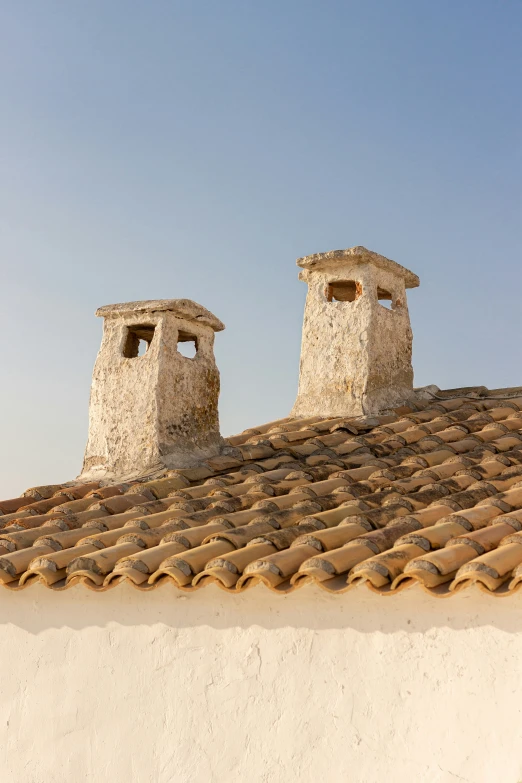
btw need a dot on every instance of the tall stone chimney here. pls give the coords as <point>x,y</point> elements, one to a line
<point>151,406</point>
<point>357,339</point>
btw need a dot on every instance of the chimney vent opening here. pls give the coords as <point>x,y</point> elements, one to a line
<point>343,291</point>
<point>187,345</point>
<point>138,340</point>
<point>385,298</point>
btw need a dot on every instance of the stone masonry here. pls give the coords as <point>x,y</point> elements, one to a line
<point>158,409</point>
<point>355,352</point>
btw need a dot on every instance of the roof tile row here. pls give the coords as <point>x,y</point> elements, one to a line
<point>429,494</point>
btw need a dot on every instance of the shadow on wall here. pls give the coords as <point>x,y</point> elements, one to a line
<point>38,609</point>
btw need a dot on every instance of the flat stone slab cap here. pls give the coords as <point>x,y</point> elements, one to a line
<point>358,255</point>
<point>183,308</point>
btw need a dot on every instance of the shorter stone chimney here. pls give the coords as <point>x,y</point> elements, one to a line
<point>152,407</point>
<point>357,339</point>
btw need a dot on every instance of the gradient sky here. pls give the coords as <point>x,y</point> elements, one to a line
<point>196,148</point>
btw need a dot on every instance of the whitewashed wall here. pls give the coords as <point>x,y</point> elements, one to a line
<point>165,687</point>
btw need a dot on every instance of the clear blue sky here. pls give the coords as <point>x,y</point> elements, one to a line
<point>196,148</point>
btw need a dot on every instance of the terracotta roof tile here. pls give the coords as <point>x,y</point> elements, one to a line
<point>429,495</point>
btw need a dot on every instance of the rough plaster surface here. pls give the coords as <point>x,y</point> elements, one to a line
<point>355,356</point>
<point>159,409</point>
<point>206,687</point>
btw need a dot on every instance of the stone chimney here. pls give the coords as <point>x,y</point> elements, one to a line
<point>152,407</point>
<point>357,339</point>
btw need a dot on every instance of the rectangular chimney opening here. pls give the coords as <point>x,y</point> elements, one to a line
<point>137,340</point>
<point>187,344</point>
<point>385,298</point>
<point>343,291</point>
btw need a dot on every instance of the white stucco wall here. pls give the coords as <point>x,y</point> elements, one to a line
<point>166,687</point>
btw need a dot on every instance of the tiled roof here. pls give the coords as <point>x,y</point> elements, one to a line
<point>429,494</point>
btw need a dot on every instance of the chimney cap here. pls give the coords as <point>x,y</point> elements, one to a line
<point>358,255</point>
<point>183,308</point>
